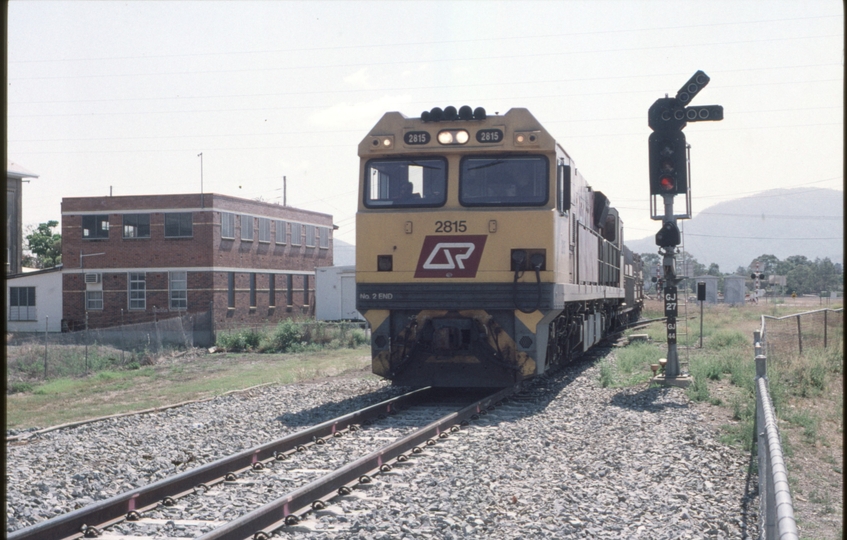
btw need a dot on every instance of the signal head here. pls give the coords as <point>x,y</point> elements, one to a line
<point>692,87</point>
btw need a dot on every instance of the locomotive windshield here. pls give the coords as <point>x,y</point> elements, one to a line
<point>405,183</point>
<point>503,181</point>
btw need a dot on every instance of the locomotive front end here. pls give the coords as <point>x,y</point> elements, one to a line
<point>456,248</point>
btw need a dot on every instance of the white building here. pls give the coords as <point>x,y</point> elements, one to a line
<point>34,301</point>
<point>335,294</point>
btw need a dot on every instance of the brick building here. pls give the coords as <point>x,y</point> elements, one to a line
<point>132,258</point>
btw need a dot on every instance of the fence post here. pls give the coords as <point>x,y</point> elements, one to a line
<point>757,342</point>
<point>761,366</point>
<point>824,328</point>
<point>86,341</point>
<point>46,326</point>
<point>799,335</point>
<point>123,339</point>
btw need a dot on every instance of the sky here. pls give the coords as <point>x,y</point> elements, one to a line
<point>121,97</point>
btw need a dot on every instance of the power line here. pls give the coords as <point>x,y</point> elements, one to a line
<point>435,87</point>
<point>415,61</point>
<point>430,43</point>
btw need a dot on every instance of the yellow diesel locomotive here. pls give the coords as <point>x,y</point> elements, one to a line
<point>483,257</point>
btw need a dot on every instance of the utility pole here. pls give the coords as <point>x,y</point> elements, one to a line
<point>669,177</point>
<point>200,155</point>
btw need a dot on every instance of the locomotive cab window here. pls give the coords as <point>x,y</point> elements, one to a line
<point>504,181</point>
<point>405,183</point>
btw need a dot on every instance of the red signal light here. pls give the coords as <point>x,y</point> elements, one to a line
<point>667,183</point>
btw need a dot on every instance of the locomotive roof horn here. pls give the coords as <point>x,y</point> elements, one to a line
<point>449,113</point>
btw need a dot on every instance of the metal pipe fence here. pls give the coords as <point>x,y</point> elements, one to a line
<point>782,339</point>
<point>776,510</point>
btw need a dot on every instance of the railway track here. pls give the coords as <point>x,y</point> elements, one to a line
<point>294,475</point>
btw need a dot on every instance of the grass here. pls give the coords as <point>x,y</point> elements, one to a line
<point>112,392</point>
<point>806,392</point>
<point>101,381</point>
<point>292,336</point>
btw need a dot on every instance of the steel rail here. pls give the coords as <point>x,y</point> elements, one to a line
<point>115,509</point>
<point>262,521</point>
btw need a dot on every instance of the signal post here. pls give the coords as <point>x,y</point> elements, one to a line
<point>669,177</point>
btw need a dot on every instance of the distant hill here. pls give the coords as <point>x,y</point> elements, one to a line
<point>780,222</point>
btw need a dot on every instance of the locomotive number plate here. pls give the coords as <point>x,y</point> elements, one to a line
<point>489,136</point>
<point>417,137</point>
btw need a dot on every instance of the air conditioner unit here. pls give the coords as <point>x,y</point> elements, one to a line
<point>92,278</point>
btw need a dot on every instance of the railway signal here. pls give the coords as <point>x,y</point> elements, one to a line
<point>669,176</point>
<point>667,163</point>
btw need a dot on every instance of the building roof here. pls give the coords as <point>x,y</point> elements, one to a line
<point>13,170</point>
<point>30,273</point>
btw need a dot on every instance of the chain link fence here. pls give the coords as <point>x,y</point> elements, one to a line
<point>48,354</point>
<point>789,336</point>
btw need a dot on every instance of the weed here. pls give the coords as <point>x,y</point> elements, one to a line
<point>18,387</point>
<point>699,388</point>
<point>723,339</point>
<point>606,376</point>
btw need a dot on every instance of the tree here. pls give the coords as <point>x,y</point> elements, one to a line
<point>768,264</point>
<point>45,245</point>
<point>714,270</point>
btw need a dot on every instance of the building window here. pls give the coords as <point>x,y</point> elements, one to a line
<point>136,225</point>
<point>94,300</point>
<point>296,234</point>
<point>227,225</point>
<point>281,232</point>
<point>230,290</point>
<point>178,225</point>
<point>310,235</point>
<point>324,237</point>
<point>137,290</point>
<point>264,229</point>
<point>289,290</point>
<point>271,290</point>
<point>22,304</point>
<point>305,291</point>
<point>247,227</point>
<point>95,227</point>
<point>252,290</point>
<point>178,286</point>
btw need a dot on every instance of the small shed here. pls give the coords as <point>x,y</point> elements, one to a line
<point>734,289</point>
<point>34,301</point>
<point>335,294</point>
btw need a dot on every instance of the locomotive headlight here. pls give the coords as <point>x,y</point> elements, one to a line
<point>527,138</point>
<point>453,136</point>
<point>384,142</point>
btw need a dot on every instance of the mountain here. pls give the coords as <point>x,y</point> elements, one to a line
<point>779,222</point>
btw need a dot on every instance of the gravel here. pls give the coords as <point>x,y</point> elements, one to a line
<point>566,459</point>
